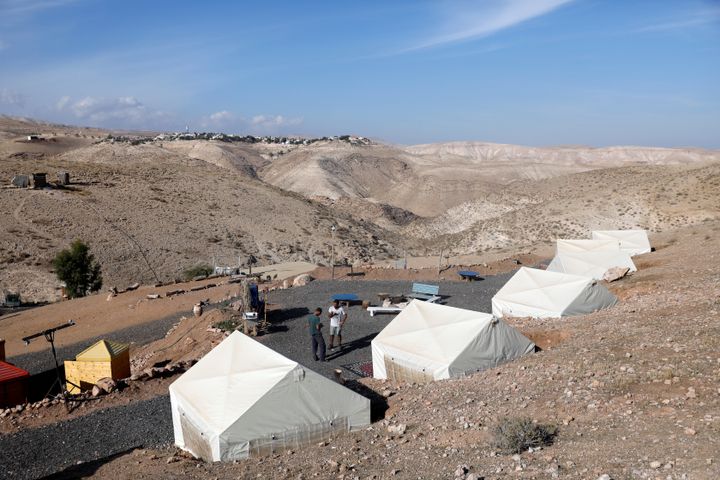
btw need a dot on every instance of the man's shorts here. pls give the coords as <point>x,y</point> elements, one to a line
<point>335,330</point>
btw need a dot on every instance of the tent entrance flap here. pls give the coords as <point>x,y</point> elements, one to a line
<point>297,438</point>
<point>195,440</point>
<point>405,373</point>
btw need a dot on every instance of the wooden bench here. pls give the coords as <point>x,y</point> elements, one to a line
<point>426,292</point>
<point>375,310</point>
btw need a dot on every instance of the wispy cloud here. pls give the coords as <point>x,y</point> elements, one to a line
<point>466,21</point>
<point>274,121</point>
<point>24,7</point>
<point>117,111</point>
<point>705,17</point>
<point>11,98</point>
<point>227,121</point>
<point>224,119</point>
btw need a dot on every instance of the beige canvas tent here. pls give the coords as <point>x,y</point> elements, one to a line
<point>428,342</point>
<point>587,245</point>
<point>542,294</point>
<point>633,242</point>
<point>590,264</point>
<point>244,399</point>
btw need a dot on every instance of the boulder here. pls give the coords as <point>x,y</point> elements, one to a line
<point>285,284</point>
<point>615,273</point>
<point>107,385</point>
<point>132,287</point>
<point>302,280</point>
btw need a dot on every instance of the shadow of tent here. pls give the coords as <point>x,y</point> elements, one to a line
<point>378,403</point>
<point>86,469</point>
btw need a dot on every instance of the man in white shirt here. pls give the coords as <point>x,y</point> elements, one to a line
<point>337,320</point>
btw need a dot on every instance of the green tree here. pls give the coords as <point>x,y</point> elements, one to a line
<point>79,270</point>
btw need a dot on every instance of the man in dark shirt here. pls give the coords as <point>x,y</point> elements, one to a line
<point>318,342</point>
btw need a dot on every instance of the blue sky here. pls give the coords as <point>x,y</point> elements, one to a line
<point>531,72</point>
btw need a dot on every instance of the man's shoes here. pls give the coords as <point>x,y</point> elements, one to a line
<point>315,358</point>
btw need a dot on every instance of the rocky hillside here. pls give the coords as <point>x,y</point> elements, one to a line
<point>187,201</point>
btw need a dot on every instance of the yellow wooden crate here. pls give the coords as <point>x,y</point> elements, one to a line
<point>103,359</point>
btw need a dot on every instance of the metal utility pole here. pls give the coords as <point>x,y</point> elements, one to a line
<point>332,252</point>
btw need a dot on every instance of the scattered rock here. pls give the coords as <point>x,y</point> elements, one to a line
<point>398,429</point>
<point>655,464</point>
<point>461,470</point>
<point>107,385</point>
<point>615,273</point>
<point>302,280</point>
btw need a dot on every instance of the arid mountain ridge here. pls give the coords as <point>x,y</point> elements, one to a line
<point>184,202</point>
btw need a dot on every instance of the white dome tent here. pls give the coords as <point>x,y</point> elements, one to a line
<point>427,342</point>
<point>590,264</point>
<point>543,294</point>
<point>587,245</point>
<point>633,242</point>
<point>244,399</point>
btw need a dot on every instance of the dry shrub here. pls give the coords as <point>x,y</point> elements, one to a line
<point>516,435</point>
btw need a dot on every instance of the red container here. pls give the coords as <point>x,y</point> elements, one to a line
<point>13,385</point>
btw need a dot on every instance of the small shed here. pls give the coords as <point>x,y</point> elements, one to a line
<point>13,385</point>
<point>38,180</point>
<point>20,181</point>
<point>63,178</point>
<point>103,359</point>
<point>11,300</point>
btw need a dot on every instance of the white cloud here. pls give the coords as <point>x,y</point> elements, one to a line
<point>227,121</point>
<point>118,111</point>
<point>222,116</point>
<point>223,120</point>
<point>11,98</point>
<point>62,102</point>
<point>270,121</point>
<point>465,21</point>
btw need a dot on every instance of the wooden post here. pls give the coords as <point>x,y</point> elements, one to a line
<point>440,261</point>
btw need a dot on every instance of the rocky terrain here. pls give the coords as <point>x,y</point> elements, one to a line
<point>634,392</point>
<point>157,205</point>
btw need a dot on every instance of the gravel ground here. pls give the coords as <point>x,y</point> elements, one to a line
<point>148,423</point>
<point>43,451</point>
<point>297,303</point>
<point>42,361</point>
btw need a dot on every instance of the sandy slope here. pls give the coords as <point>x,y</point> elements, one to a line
<point>189,202</point>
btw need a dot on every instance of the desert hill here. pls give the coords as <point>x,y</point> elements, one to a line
<point>190,201</point>
<point>129,200</point>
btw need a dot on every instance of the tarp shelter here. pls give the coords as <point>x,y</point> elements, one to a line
<point>13,385</point>
<point>587,245</point>
<point>102,359</point>
<point>542,294</point>
<point>243,399</point>
<point>590,264</point>
<point>633,242</point>
<point>427,342</point>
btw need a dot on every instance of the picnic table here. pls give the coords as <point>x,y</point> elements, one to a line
<point>469,275</point>
<point>345,297</point>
